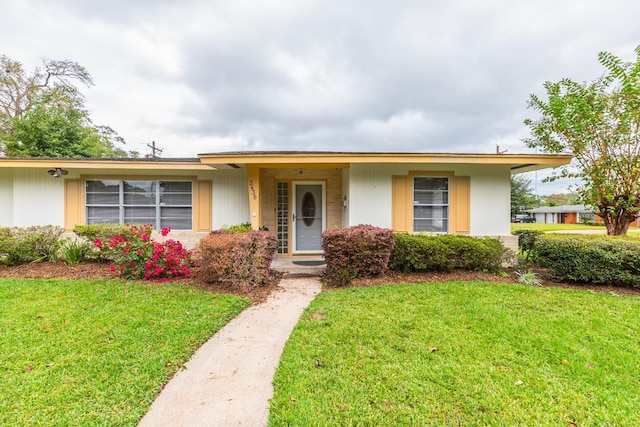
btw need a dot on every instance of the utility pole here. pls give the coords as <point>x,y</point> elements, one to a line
<point>155,151</point>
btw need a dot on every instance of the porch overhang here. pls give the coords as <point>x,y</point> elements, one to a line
<point>186,164</point>
<point>518,163</point>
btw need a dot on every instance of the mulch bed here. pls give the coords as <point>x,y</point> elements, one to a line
<point>96,270</point>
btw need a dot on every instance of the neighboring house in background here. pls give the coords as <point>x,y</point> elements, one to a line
<point>563,214</point>
<point>298,195</point>
<point>566,214</point>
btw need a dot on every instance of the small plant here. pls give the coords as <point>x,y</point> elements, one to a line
<point>238,228</point>
<point>529,278</point>
<point>75,251</point>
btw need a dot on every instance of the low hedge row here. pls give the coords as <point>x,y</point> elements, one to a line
<point>240,258</point>
<point>364,251</point>
<point>446,252</point>
<point>358,251</point>
<point>21,245</point>
<point>589,259</point>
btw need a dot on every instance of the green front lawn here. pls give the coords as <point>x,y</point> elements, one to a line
<point>450,354</point>
<point>556,227</point>
<point>97,352</point>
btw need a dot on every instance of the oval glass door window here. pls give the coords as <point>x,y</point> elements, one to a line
<point>308,209</point>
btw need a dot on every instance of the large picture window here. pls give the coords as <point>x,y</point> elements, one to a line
<point>431,204</point>
<point>161,203</point>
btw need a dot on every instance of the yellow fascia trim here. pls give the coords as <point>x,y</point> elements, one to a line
<point>330,159</point>
<point>102,164</point>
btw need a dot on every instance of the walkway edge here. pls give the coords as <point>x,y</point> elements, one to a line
<point>228,381</point>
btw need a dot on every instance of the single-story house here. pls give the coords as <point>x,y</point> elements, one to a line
<point>567,214</point>
<point>563,214</point>
<point>295,194</point>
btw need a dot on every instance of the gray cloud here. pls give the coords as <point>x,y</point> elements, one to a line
<point>202,76</point>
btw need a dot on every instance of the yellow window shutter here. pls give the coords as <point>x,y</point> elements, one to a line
<point>73,203</point>
<point>401,215</point>
<point>461,206</point>
<point>202,208</point>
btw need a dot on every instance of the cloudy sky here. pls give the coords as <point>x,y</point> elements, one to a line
<point>200,76</point>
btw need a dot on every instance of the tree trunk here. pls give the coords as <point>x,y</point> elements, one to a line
<point>617,225</point>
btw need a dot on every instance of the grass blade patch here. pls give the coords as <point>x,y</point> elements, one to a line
<point>97,352</point>
<point>461,354</point>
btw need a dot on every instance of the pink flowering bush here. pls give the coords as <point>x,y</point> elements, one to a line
<point>135,255</point>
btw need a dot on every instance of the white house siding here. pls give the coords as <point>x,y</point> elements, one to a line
<point>230,198</point>
<point>370,197</point>
<point>490,199</point>
<point>6,197</point>
<point>38,198</point>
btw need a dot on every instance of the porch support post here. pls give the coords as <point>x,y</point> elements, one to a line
<point>255,205</point>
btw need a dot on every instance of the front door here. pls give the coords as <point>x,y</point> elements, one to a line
<point>308,217</point>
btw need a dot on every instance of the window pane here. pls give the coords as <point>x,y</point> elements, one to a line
<point>140,215</point>
<point>176,218</point>
<point>139,193</point>
<point>173,199</point>
<point>103,192</point>
<point>430,225</point>
<point>103,215</point>
<point>429,183</point>
<point>440,212</point>
<point>431,197</point>
<point>175,193</point>
<point>175,186</point>
<point>103,186</point>
<point>103,198</point>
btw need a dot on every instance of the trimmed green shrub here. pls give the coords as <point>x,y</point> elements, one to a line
<point>589,259</point>
<point>447,252</point>
<point>237,228</point>
<point>359,251</point>
<point>21,245</point>
<point>103,232</point>
<point>240,258</point>
<point>526,241</point>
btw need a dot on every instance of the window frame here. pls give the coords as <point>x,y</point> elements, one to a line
<point>446,206</point>
<point>157,204</point>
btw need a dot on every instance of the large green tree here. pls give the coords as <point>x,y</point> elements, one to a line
<point>558,199</point>
<point>42,113</point>
<point>599,123</point>
<point>521,194</point>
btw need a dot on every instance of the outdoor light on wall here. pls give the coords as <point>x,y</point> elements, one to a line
<point>57,172</point>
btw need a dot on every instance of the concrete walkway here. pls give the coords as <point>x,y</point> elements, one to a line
<point>227,382</point>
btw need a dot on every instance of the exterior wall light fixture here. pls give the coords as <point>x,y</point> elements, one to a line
<point>57,172</point>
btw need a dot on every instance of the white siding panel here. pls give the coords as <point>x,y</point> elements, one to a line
<point>6,197</point>
<point>370,195</point>
<point>230,198</point>
<point>38,198</point>
<point>490,200</point>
